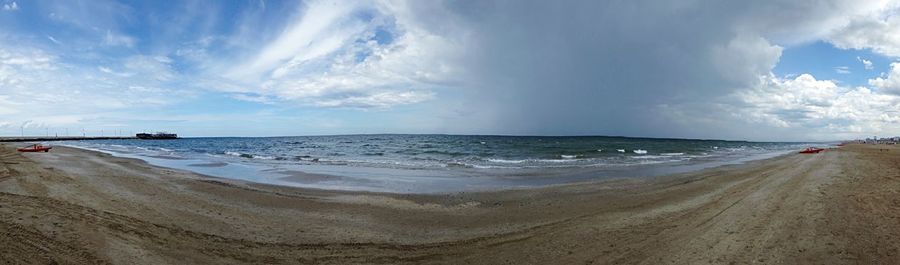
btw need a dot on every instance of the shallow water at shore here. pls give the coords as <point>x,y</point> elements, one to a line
<point>442,163</point>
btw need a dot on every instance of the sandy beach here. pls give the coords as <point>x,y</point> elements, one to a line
<point>73,206</point>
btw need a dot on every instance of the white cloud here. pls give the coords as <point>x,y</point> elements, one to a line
<point>8,76</point>
<point>8,107</point>
<point>11,6</point>
<point>842,69</point>
<point>339,63</point>
<point>820,108</point>
<point>150,67</point>
<point>866,63</point>
<point>28,124</point>
<point>317,32</point>
<point>745,57</point>
<point>32,60</point>
<point>113,39</point>
<point>879,32</point>
<point>60,94</point>
<point>253,98</point>
<point>888,82</point>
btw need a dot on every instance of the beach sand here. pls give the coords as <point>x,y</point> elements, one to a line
<point>74,206</point>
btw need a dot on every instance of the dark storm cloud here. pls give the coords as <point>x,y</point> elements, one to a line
<point>618,67</point>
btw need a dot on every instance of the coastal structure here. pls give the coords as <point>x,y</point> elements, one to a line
<point>157,136</point>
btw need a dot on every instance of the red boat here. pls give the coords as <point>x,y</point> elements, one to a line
<point>35,148</point>
<point>812,150</point>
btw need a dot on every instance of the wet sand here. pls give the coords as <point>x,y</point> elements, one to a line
<point>75,206</point>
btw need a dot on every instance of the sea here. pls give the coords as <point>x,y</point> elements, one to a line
<point>400,163</point>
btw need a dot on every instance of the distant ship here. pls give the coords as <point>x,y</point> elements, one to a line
<point>157,136</point>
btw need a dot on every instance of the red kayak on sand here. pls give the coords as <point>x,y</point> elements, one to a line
<point>35,148</point>
<point>812,150</point>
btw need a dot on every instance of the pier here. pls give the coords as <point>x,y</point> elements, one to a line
<point>66,138</point>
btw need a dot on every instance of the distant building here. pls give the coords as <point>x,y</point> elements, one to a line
<point>876,140</point>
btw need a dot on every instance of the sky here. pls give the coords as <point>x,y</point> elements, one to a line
<point>769,70</point>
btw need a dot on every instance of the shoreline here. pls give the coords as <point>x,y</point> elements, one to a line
<point>75,206</point>
<point>429,181</point>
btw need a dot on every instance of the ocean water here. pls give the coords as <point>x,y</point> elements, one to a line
<point>436,163</point>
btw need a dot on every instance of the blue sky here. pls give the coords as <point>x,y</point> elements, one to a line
<point>824,61</point>
<point>773,70</point>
